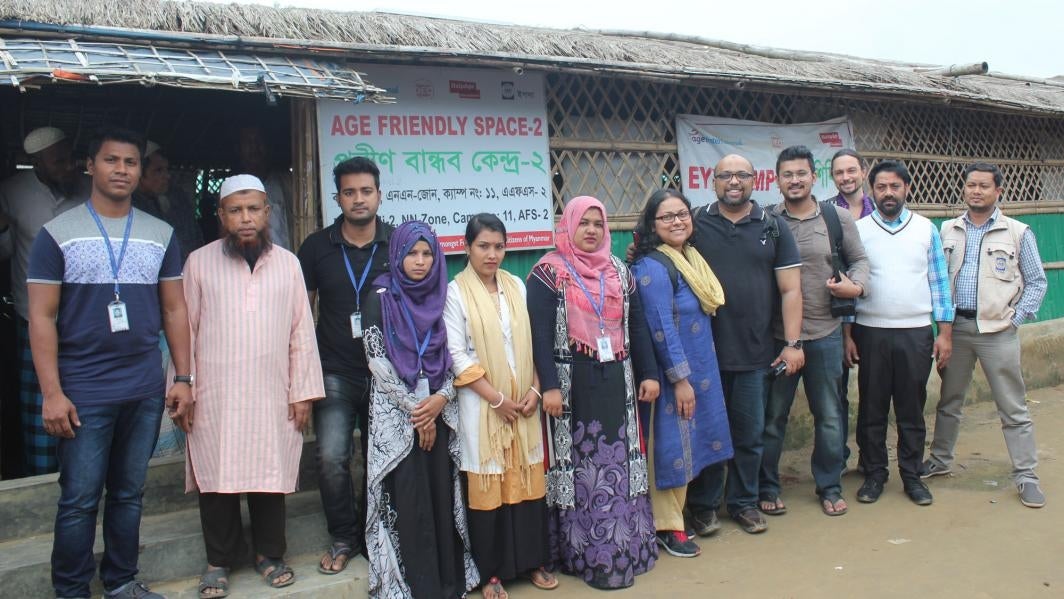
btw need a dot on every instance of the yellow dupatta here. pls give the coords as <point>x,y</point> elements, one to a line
<point>699,276</point>
<point>497,437</point>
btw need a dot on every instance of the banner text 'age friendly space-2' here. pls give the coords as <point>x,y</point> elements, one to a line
<point>455,143</point>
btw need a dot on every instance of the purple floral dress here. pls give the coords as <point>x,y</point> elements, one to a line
<point>601,524</point>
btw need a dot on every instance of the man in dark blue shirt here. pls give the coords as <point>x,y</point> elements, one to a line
<point>103,279</point>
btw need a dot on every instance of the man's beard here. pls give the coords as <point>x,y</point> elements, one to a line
<point>899,204</point>
<point>251,251</point>
<point>360,222</point>
<point>724,199</point>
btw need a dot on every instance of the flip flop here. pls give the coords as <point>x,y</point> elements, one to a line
<point>213,579</point>
<point>833,499</point>
<point>778,508</point>
<point>336,551</point>
<point>543,579</point>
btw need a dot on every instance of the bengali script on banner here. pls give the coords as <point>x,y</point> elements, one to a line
<point>456,142</point>
<point>702,141</point>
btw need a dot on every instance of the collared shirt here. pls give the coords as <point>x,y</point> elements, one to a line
<point>745,256</point>
<point>867,205</point>
<point>29,204</point>
<point>942,308</point>
<point>96,366</point>
<point>324,272</point>
<point>253,355</point>
<point>1034,277</point>
<point>811,234</point>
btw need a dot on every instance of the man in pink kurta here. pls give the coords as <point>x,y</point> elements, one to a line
<point>256,367</point>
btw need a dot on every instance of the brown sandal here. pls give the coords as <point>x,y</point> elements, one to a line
<point>543,579</point>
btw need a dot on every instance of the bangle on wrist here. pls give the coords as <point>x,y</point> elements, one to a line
<point>536,391</point>
<point>495,405</point>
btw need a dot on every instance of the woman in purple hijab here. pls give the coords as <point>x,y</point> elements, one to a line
<point>416,533</point>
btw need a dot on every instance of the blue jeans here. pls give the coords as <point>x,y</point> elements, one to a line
<point>346,401</point>
<point>820,375</point>
<point>111,449</point>
<point>745,395</point>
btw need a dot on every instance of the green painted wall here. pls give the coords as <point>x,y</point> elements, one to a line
<point>1048,229</point>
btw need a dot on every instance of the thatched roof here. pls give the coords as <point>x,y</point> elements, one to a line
<point>385,36</point>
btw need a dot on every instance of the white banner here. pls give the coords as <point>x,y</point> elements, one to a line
<point>455,143</point>
<point>704,140</point>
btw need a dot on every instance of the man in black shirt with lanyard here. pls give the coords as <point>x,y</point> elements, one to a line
<point>340,263</point>
<point>756,259</point>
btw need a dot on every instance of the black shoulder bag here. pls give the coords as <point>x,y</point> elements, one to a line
<point>840,306</point>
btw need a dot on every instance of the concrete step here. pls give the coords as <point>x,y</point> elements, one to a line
<point>27,505</point>
<point>309,584</point>
<point>171,547</point>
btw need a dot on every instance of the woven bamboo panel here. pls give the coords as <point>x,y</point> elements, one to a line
<point>616,139</point>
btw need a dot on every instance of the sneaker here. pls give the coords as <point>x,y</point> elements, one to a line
<point>677,543</point>
<point>133,590</point>
<point>870,491</point>
<point>1031,495</point>
<point>918,492</point>
<point>930,469</point>
<point>705,523</point>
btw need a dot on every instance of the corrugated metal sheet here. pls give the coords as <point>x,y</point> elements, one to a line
<point>71,61</point>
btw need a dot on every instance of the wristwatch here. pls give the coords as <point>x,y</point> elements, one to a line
<point>796,344</point>
<point>185,378</point>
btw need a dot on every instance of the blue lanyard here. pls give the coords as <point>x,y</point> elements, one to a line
<point>116,265</point>
<point>421,346</point>
<point>362,279</point>
<point>602,294</point>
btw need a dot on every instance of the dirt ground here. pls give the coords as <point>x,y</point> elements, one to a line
<point>976,540</point>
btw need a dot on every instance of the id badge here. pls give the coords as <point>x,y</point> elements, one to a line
<point>116,312</point>
<point>356,325</point>
<point>605,349</point>
<point>421,391</point>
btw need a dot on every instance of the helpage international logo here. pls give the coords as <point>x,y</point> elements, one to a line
<point>698,137</point>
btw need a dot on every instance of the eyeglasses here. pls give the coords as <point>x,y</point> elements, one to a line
<point>787,176</point>
<point>727,176</point>
<point>669,217</point>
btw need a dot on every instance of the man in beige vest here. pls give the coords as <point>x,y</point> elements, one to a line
<point>997,281</point>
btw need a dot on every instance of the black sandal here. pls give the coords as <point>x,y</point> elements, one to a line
<point>213,579</point>
<point>337,551</point>
<point>833,498</point>
<point>774,499</point>
<point>273,569</point>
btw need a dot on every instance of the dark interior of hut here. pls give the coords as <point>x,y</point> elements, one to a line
<point>197,131</point>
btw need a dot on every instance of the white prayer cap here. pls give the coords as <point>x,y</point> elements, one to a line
<point>151,148</point>
<point>41,139</point>
<point>240,183</point>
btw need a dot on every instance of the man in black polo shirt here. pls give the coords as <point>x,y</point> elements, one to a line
<point>340,263</point>
<point>756,259</point>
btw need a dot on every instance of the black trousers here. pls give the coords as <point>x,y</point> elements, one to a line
<point>223,531</point>
<point>895,364</point>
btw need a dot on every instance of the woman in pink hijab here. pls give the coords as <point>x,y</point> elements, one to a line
<point>589,356</point>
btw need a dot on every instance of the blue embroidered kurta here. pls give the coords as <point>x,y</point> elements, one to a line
<point>683,345</point>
